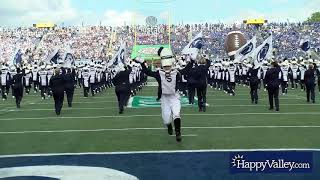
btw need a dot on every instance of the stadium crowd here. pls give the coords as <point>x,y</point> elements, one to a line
<point>96,42</point>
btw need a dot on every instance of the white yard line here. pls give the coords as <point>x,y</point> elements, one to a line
<point>52,109</point>
<point>186,135</point>
<point>155,115</point>
<point>158,152</point>
<point>13,109</point>
<point>137,129</point>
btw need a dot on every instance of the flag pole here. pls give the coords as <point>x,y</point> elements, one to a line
<point>169,22</point>
<point>135,33</point>
<point>135,29</point>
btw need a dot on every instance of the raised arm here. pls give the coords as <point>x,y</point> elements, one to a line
<point>149,72</point>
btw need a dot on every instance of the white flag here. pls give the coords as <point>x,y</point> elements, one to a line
<point>246,50</point>
<point>194,46</point>
<point>263,52</point>
<point>53,57</point>
<point>119,57</point>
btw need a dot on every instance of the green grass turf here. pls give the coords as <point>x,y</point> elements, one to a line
<point>100,112</point>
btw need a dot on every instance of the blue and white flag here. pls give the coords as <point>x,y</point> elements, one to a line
<point>194,46</point>
<point>305,43</point>
<point>68,57</point>
<point>120,56</point>
<point>246,50</point>
<point>18,57</point>
<point>263,52</point>
<point>53,57</point>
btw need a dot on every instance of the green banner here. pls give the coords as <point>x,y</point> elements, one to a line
<point>147,52</point>
<point>151,101</point>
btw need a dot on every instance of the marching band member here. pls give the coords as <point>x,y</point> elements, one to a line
<point>35,78</point>
<point>13,72</point>
<point>57,85</point>
<point>264,69</point>
<point>310,81</point>
<point>50,73</point>
<point>273,82</point>
<point>284,77</point>
<point>317,67</point>
<point>17,87</point>
<point>43,80</point>
<point>253,82</point>
<point>5,81</point>
<point>294,74</point>
<point>232,78</point>
<point>92,79</point>
<point>28,79</point>
<point>302,70</point>
<point>200,76</point>
<point>86,79</point>
<point>69,85</point>
<point>122,85</point>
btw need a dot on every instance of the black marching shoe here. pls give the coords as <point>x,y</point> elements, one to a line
<point>271,108</point>
<point>170,129</point>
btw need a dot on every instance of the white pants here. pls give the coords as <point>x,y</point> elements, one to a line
<point>170,107</point>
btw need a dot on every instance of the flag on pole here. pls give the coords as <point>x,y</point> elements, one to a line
<point>119,57</point>
<point>193,46</point>
<point>246,50</point>
<point>263,52</point>
<point>305,44</point>
<point>53,57</point>
<point>68,57</point>
<point>18,57</point>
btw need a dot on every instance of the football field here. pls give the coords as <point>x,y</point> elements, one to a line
<point>94,125</point>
